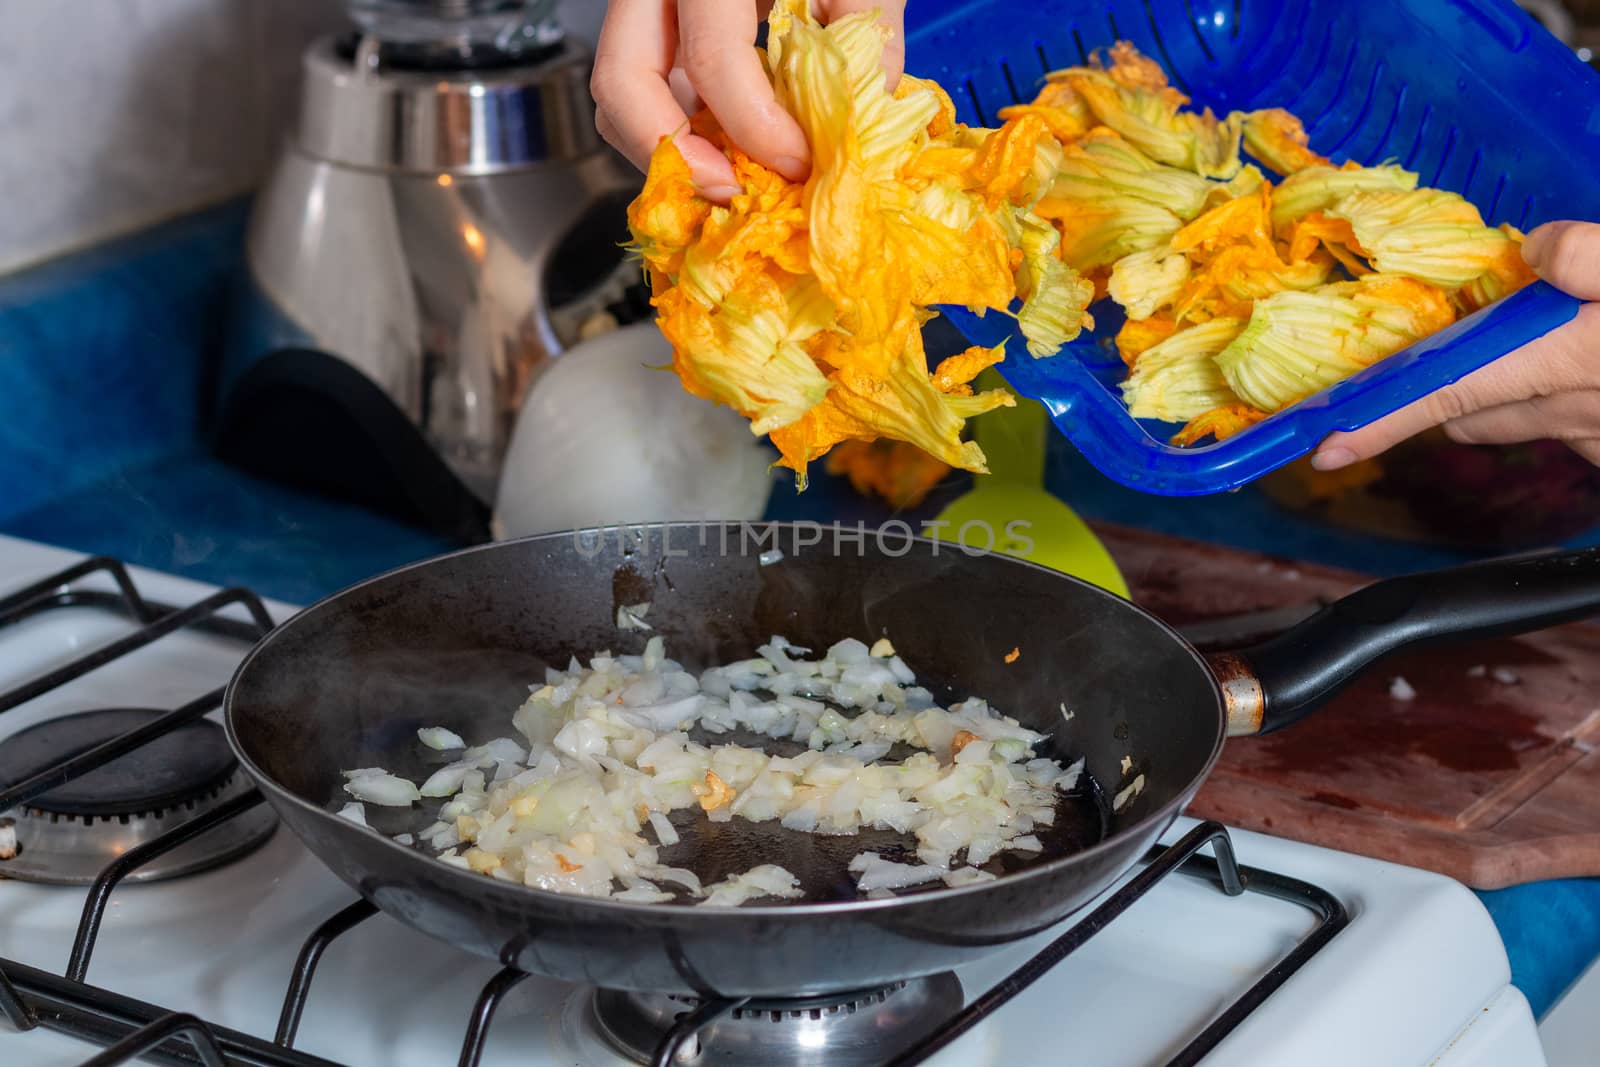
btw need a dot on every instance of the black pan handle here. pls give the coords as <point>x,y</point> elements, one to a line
<point>1280,681</point>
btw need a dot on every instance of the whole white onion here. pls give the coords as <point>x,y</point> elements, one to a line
<point>607,438</point>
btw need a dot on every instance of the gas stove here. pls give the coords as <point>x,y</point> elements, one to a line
<point>208,934</point>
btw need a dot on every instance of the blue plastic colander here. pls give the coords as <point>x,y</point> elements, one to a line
<point>1473,95</point>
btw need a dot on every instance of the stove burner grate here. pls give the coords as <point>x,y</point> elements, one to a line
<point>855,1029</point>
<point>67,835</point>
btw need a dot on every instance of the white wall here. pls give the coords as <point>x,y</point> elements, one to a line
<point>115,114</point>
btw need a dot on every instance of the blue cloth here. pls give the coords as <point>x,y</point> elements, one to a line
<point>1552,934</point>
<point>103,360</point>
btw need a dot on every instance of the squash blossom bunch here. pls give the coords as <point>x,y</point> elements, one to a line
<point>1243,296</point>
<point>801,305</point>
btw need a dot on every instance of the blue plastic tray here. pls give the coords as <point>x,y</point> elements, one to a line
<point>1471,94</point>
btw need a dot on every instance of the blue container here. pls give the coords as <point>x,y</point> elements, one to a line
<point>1471,94</point>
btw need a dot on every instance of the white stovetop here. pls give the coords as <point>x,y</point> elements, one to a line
<point>1419,977</point>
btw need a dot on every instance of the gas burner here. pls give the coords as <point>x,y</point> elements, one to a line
<point>837,1029</point>
<point>68,835</point>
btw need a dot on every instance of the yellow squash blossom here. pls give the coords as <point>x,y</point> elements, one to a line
<point>1428,234</point>
<point>1298,343</point>
<point>1104,165</point>
<point>1130,68</point>
<point>1095,235</point>
<point>1236,260</point>
<point>1108,199</point>
<point>1179,379</point>
<point>1146,282</point>
<point>1244,218</point>
<point>667,216</point>
<point>1242,273</point>
<point>1335,235</point>
<point>901,404</point>
<point>1317,188</point>
<point>900,473</point>
<point>1506,275</point>
<point>1054,296</point>
<point>1278,140</point>
<point>1219,424</point>
<point>731,306</point>
<point>1132,97</point>
<point>1060,108</point>
<point>1249,180</point>
<point>1138,336</point>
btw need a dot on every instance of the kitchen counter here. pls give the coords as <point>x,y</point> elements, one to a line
<point>103,394</point>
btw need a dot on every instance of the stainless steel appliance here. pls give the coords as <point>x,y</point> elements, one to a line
<point>442,221</point>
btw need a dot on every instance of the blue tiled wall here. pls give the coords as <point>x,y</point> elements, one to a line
<point>103,397</point>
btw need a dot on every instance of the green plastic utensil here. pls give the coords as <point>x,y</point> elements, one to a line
<point>1010,503</point>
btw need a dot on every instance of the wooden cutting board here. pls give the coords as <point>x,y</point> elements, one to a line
<point>1490,774</point>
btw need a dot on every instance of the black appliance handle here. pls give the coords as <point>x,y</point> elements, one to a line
<point>1282,680</point>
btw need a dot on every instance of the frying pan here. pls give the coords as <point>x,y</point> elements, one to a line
<point>455,641</point>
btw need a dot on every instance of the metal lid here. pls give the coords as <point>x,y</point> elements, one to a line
<point>357,111</point>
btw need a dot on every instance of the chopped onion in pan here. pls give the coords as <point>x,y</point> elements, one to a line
<point>609,747</point>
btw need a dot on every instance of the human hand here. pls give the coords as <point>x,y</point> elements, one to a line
<point>1548,388</point>
<point>659,60</point>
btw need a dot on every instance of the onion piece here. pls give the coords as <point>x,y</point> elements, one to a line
<point>966,876</point>
<point>874,872</point>
<point>382,788</point>
<point>644,893</point>
<point>665,833</point>
<point>439,739</point>
<point>765,880</point>
<point>500,750</point>
<point>447,780</point>
<point>678,876</point>
<point>1127,793</point>
<point>631,616</point>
